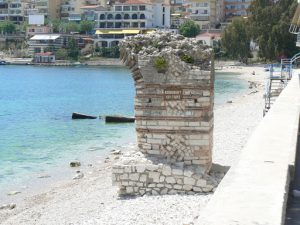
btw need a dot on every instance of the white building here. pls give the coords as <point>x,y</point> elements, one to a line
<point>128,18</point>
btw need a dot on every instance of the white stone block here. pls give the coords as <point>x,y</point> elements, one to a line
<point>154,176</point>
<point>177,171</point>
<point>188,173</point>
<point>162,179</point>
<point>178,187</point>
<point>197,189</point>
<point>170,180</point>
<point>125,183</point>
<point>187,187</point>
<point>124,176</point>
<point>134,176</point>
<point>140,168</point>
<point>168,186</point>
<point>167,171</point>
<point>143,178</point>
<point>189,181</point>
<point>201,183</point>
<point>151,185</point>
<point>154,192</point>
<point>129,190</point>
<point>127,169</point>
<point>164,191</point>
<point>172,192</point>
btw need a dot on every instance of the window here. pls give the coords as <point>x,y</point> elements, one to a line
<point>118,8</point>
<point>142,16</point>
<point>134,16</point>
<point>142,7</point>
<point>134,8</point>
<point>126,8</point>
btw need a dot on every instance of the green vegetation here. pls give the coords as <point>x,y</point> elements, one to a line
<point>189,29</point>
<point>186,58</point>
<point>113,52</point>
<point>269,24</point>
<point>236,40</point>
<point>160,64</point>
<point>61,54</point>
<point>83,27</point>
<point>73,49</point>
<point>7,27</point>
<point>86,26</point>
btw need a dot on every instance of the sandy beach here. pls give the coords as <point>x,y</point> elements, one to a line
<point>93,199</point>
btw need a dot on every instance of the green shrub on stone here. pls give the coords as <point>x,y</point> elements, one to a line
<point>186,58</point>
<point>160,64</point>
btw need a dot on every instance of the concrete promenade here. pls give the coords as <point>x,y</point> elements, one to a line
<point>255,190</point>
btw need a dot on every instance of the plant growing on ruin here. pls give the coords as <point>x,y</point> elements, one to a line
<point>160,64</point>
<point>187,58</point>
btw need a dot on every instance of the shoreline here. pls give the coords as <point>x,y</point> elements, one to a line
<point>81,200</point>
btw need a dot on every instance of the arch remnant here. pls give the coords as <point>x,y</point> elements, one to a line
<point>174,80</point>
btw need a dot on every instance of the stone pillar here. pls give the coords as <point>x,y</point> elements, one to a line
<point>174,80</point>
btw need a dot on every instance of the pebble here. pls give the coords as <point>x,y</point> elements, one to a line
<point>8,206</point>
<point>14,193</point>
<point>44,176</point>
<point>78,176</point>
<point>75,164</point>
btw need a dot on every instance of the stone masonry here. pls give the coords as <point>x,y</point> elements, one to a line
<point>174,80</point>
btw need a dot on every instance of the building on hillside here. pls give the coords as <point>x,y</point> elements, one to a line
<point>32,30</point>
<point>125,19</point>
<point>45,57</point>
<point>210,38</point>
<point>235,8</point>
<point>52,42</point>
<point>45,42</point>
<point>70,10</point>
<point>11,10</point>
<point>49,8</point>
<point>208,14</point>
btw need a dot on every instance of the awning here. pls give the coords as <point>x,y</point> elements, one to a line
<point>123,31</point>
<point>45,37</point>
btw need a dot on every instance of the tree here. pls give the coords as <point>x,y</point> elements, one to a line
<point>7,27</point>
<point>73,49</point>
<point>61,54</point>
<point>86,26</point>
<point>236,41</point>
<point>189,29</point>
<point>71,27</point>
<point>269,25</point>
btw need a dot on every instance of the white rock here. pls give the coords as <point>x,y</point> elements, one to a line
<point>14,193</point>
<point>78,176</point>
<point>201,183</point>
<point>177,171</point>
<point>167,171</point>
<point>134,176</point>
<point>143,178</point>
<point>170,180</point>
<point>154,176</point>
<point>124,176</point>
<point>189,181</point>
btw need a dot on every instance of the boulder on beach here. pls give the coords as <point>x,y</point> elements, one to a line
<point>76,116</point>
<point>119,119</point>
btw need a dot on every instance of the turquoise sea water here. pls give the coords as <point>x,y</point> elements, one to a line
<point>36,103</point>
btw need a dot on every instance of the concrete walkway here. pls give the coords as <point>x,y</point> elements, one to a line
<point>255,190</point>
<point>293,206</point>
